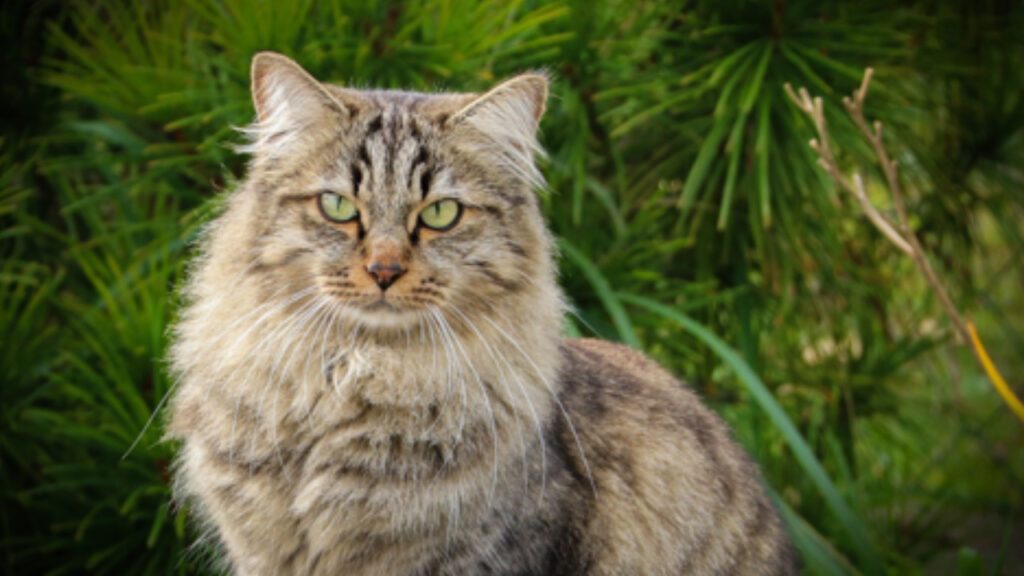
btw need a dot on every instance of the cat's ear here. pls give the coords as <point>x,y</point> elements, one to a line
<point>518,101</point>
<point>289,102</point>
<point>505,120</point>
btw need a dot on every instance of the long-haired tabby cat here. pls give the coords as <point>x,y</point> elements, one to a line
<point>372,378</point>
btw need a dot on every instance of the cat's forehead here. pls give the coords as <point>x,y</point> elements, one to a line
<point>393,109</point>
<point>389,152</point>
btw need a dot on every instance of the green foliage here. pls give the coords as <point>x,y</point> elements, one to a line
<point>692,223</point>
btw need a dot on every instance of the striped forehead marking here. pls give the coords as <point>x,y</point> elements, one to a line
<point>393,160</point>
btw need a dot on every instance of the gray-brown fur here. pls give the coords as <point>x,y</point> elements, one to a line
<point>440,424</point>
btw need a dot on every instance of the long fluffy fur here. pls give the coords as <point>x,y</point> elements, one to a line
<point>451,430</point>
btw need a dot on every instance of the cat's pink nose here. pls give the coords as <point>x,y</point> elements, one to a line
<point>385,274</point>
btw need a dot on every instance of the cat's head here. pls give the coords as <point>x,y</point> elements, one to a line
<point>395,205</point>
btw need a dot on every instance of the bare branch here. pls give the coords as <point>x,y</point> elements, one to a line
<point>900,234</point>
<point>815,108</point>
<point>881,223</point>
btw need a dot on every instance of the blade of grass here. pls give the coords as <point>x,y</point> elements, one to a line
<point>159,519</point>
<point>604,292</point>
<point>726,104</point>
<point>735,149</point>
<point>762,152</point>
<point>754,87</point>
<point>818,554</point>
<point>707,154</point>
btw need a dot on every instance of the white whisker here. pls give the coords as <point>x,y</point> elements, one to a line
<point>294,343</point>
<point>483,392</point>
<point>515,377</point>
<point>554,395</point>
<point>255,352</point>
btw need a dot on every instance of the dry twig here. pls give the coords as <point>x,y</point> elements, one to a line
<point>899,233</point>
<point>816,110</point>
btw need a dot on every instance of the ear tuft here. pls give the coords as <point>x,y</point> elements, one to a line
<point>504,122</point>
<point>288,101</point>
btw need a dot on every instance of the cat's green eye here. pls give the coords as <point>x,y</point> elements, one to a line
<point>337,208</point>
<point>441,215</point>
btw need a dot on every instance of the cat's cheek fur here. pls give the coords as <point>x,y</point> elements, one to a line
<point>463,435</point>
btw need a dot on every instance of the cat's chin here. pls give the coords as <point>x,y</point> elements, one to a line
<point>386,316</point>
<point>384,307</point>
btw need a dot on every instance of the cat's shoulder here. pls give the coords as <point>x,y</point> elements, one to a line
<point>609,353</point>
<point>601,378</point>
<point>615,364</point>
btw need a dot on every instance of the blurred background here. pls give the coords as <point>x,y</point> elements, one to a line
<point>692,219</point>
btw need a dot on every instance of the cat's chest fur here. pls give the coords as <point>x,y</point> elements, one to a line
<point>378,462</point>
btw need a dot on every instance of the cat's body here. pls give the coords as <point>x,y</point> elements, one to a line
<point>366,388</point>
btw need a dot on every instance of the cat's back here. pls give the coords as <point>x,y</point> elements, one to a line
<point>672,492</point>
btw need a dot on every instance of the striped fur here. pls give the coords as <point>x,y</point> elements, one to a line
<point>440,426</point>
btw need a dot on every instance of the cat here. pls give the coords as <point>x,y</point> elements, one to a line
<point>372,377</point>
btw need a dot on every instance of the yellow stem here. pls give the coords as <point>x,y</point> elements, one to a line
<point>993,374</point>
